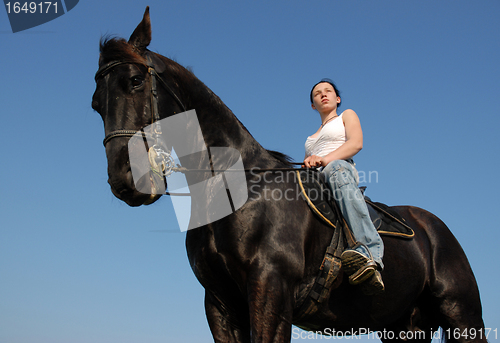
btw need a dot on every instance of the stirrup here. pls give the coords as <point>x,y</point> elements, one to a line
<point>373,285</point>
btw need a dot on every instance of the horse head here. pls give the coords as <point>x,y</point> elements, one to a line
<point>128,100</point>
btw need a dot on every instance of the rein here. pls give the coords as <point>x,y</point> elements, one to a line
<point>255,169</point>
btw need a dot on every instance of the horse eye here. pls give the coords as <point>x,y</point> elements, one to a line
<point>136,81</point>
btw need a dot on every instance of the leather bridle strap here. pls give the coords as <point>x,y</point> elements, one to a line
<point>105,69</point>
<point>152,72</point>
<point>155,115</point>
<point>123,133</point>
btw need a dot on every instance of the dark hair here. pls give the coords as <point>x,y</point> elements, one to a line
<point>334,88</point>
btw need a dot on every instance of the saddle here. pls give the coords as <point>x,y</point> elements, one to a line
<point>316,192</point>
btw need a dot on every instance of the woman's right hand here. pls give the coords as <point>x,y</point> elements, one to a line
<point>313,161</point>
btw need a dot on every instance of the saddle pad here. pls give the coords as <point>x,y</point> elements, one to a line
<point>316,192</point>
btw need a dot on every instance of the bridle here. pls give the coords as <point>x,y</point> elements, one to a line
<point>160,158</point>
<point>155,115</point>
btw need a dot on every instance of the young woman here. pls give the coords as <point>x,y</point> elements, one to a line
<point>332,147</point>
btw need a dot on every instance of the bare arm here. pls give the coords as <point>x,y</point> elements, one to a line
<point>352,145</point>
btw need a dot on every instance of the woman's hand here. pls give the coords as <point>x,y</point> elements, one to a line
<point>314,161</point>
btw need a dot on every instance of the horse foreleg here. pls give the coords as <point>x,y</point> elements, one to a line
<point>270,303</point>
<point>226,326</point>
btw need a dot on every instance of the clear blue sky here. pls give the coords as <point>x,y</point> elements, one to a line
<point>78,265</point>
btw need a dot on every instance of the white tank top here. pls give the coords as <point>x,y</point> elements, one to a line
<point>330,138</point>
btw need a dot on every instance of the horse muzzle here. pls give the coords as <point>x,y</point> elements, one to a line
<point>149,188</point>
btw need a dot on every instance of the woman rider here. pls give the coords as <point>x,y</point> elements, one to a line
<point>332,147</point>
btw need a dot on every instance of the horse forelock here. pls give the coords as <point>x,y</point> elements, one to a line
<point>118,49</point>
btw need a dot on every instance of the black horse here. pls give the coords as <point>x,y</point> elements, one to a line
<point>257,263</point>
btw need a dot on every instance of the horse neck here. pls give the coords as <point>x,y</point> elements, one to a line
<point>221,128</point>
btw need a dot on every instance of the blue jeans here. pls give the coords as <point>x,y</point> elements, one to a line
<point>343,180</point>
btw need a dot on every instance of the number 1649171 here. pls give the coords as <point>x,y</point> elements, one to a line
<point>31,7</point>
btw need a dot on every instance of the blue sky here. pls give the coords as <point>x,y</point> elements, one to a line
<point>78,265</point>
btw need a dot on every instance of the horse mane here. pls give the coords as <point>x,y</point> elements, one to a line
<point>281,157</point>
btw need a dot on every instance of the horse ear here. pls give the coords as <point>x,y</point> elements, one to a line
<point>141,37</point>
